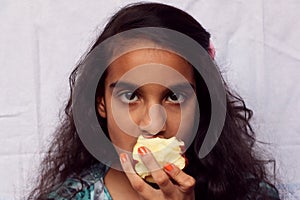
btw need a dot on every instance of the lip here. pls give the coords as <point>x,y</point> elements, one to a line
<point>149,136</point>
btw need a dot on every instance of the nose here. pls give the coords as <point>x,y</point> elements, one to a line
<point>153,122</point>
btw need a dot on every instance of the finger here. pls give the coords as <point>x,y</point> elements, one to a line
<point>157,173</point>
<point>142,188</point>
<point>186,182</point>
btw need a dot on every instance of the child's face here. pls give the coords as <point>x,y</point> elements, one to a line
<point>162,102</point>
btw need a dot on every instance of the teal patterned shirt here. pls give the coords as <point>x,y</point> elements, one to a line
<point>89,185</point>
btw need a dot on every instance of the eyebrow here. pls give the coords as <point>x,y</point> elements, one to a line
<point>127,85</point>
<point>121,84</point>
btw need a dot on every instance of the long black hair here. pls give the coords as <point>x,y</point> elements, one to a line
<point>230,171</point>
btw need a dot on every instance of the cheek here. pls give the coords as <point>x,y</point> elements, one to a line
<point>121,118</point>
<point>120,139</point>
<point>173,123</point>
<point>187,122</point>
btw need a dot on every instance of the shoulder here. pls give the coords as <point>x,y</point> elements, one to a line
<point>81,187</point>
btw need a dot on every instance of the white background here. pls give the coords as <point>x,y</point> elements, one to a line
<point>258,50</point>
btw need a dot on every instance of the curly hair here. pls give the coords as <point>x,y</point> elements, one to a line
<point>222,174</point>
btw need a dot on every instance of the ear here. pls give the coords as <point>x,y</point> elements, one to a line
<point>101,106</point>
<point>211,50</point>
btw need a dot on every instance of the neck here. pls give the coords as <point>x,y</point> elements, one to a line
<point>118,185</point>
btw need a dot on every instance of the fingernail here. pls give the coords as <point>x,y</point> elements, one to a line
<point>168,167</point>
<point>123,157</point>
<point>182,148</point>
<point>142,151</point>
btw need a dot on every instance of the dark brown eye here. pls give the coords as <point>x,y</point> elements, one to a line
<point>176,98</point>
<point>173,97</point>
<point>128,97</point>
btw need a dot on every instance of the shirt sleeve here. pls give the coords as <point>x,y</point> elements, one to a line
<point>263,191</point>
<point>89,185</point>
<point>71,188</point>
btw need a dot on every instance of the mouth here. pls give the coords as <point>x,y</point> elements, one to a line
<point>149,136</point>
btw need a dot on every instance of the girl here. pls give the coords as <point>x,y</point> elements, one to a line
<point>165,108</point>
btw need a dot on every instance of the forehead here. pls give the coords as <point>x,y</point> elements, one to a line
<point>141,57</point>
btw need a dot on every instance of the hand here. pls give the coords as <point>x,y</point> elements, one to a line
<point>173,183</point>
